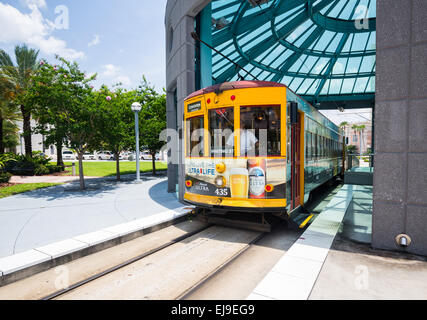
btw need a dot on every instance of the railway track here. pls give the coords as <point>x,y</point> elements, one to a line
<point>119,266</point>
<point>171,271</point>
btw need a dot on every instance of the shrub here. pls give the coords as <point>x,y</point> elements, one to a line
<point>21,168</point>
<point>5,177</point>
<point>54,168</point>
<point>28,166</point>
<point>5,159</point>
<point>41,170</point>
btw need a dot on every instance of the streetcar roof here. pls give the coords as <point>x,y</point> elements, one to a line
<point>235,85</point>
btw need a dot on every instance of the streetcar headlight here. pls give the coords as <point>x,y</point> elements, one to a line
<point>188,183</point>
<point>220,181</point>
<point>220,167</point>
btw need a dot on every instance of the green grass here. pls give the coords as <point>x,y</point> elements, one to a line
<point>21,188</point>
<point>108,169</point>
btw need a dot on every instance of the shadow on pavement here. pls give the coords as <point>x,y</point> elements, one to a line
<point>158,193</point>
<point>94,187</point>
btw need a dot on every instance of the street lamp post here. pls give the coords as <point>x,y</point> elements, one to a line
<point>136,107</point>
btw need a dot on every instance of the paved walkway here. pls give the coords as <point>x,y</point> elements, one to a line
<point>53,214</point>
<point>357,223</point>
<point>44,179</point>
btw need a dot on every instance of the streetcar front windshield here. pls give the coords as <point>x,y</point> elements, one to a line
<point>221,128</point>
<point>195,131</point>
<point>260,131</point>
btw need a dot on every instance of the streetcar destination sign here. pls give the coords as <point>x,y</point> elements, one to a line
<point>194,107</point>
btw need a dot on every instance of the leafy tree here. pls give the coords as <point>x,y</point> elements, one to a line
<point>46,95</point>
<point>10,134</point>
<point>359,129</point>
<point>66,107</point>
<point>343,125</point>
<point>114,121</point>
<point>351,149</point>
<point>19,77</point>
<point>152,118</point>
<point>8,116</point>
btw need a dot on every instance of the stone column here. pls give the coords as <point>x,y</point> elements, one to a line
<point>400,177</point>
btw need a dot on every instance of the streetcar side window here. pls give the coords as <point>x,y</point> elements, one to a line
<point>325,147</point>
<point>316,139</point>
<point>195,136</point>
<point>313,148</point>
<point>322,147</point>
<point>221,128</point>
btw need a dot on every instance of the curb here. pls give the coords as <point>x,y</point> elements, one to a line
<point>31,262</point>
<point>295,274</point>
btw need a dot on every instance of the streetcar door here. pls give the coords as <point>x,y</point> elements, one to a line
<point>295,157</point>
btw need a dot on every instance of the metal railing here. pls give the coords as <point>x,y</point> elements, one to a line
<point>360,161</point>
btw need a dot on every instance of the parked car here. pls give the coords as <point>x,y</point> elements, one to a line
<point>89,156</point>
<point>120,157</point>
<point>145,156</point>
<point>126,155</point>
<point>131,156</point>
<point>105,155</point>
<point>68,155</point>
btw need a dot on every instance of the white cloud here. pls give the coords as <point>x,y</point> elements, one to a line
<point>33,29</point>
<point>124,80</point>
<point>37,3</point>
<point>95,41</point>
<point>110,70</point>
<point>318,69</point>
<point>113,73</point>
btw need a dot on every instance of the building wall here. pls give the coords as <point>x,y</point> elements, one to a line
<point>400,178</point>
<point>354,136</point>
<point>180,72</point>
<point>36,142</point>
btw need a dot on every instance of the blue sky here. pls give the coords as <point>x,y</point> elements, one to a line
<point>119,40</point>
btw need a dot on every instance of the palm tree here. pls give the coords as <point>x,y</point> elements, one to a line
<point>362,142</point>
<point>343,125</point>
<point>8,111</point>
<point>19,77</point>
<point>360,130</point>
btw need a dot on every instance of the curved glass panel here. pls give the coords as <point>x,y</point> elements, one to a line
<point>316,47</point>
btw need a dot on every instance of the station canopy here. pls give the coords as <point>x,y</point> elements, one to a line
<point>324,50</point>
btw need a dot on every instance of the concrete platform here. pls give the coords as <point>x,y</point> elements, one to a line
<point>22,265</point>
<point>354,271</point>
<point>333,259</point>
<point>357,223</point>
<point>38,218</point>
<point>363,176</point>
<point>47,227</point>
<point>295,274</point>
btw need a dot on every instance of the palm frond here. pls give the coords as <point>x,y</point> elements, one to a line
<point>5,60</point>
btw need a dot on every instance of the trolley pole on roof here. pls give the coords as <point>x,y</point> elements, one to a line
<point>136,108</point>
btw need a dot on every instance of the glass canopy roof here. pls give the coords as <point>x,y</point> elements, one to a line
<point>319,48</point>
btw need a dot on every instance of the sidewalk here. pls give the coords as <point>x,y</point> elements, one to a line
<point>53,214</point>
<point>44,179</point>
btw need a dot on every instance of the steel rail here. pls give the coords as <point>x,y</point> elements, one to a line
<point>121,265</point>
